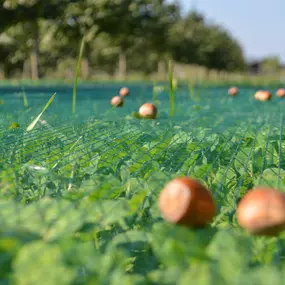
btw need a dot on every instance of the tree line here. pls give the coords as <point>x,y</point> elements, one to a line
<point>41,38</point>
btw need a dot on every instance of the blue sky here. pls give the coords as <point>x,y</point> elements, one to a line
<point>259,25</point>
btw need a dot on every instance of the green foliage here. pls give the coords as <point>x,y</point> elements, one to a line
<point>40,38</point>
<point>270,64</point>
<point>77,74</point>
<point>196,42</point>
<point>171,89</point>
<point>79,194</point>
<point>14,125</point>
<point>50,268</point>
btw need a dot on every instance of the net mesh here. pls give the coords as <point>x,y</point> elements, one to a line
<point>81,188</point>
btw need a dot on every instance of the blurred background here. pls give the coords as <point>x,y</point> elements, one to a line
<point>134,39</point>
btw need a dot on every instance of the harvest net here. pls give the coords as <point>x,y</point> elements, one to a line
<point>81,190</point>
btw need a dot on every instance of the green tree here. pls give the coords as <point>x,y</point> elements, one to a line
<point>226,53</point>
<point>24,29</point>
<point>190,39</point>
<point>196,42</point>
<point>138,35</point>
<point>128,24</point>
<point>270,64</point>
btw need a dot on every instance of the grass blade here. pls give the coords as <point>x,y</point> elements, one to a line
<point>34,122</point>
<point>153,90</point>
<point>77,74</point>
<point>26,104</point>
<point>171,88</point>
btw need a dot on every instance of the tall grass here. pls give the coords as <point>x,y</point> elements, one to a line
<point>25,99</point>
<point>192,92</point>
<point>154,93</point>
<point>82,45</point>
<point>171,89</point>
<point>34,122</point>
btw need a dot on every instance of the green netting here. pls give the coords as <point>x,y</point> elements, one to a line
<point>78,202</point>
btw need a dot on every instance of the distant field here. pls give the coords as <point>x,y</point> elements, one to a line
<point>78,199</point>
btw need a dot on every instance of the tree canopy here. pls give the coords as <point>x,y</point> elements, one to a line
<point>38,37</point>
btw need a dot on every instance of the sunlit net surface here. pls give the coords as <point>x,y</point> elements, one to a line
<point>86,185</point>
